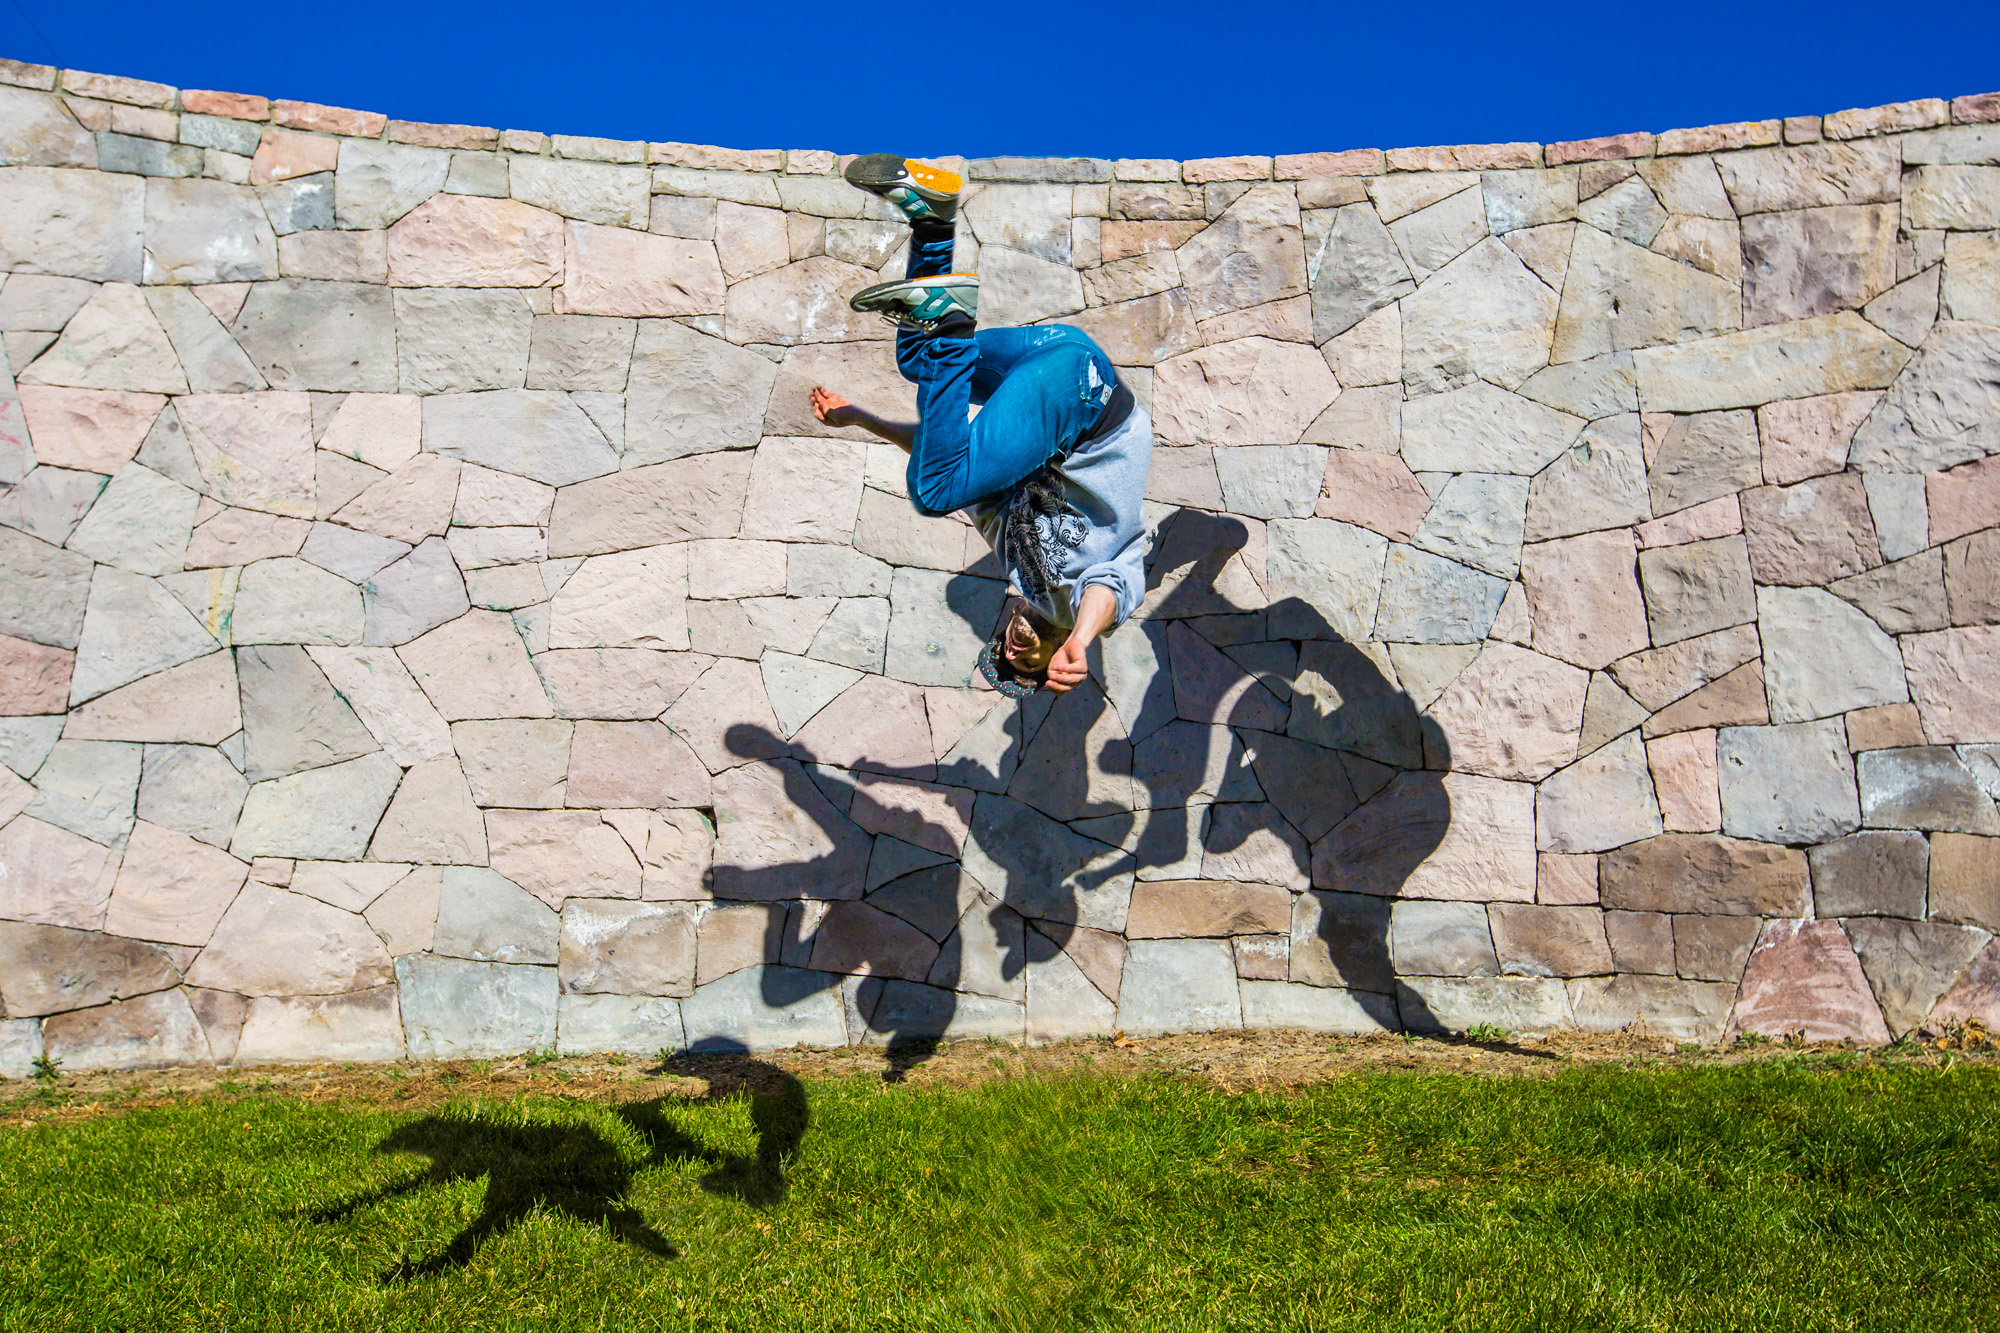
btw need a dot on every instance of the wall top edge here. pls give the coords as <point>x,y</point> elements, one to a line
<point>281,116</point>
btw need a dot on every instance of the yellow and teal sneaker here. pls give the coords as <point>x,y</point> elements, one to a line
<point>921,302</point>
<point>925,193</point>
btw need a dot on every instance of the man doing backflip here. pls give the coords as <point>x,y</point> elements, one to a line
<point>1052,470</point>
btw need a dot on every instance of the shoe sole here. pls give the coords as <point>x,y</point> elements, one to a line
<point>866,300</point>
<point>878,173</point>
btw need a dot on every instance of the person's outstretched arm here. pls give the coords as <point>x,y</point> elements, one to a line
<point>1094,614</point>
<point>834,410</point>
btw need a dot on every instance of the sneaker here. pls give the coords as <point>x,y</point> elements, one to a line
<point>925,193</point>
<point>921,302</point>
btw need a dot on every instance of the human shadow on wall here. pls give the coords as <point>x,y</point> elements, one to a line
<point>574,1170</point>
<point>1260,743</point>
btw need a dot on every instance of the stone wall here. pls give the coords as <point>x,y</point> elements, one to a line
<point>435,625</point>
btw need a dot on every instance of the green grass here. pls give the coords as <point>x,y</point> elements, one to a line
<point>1781,1194</point>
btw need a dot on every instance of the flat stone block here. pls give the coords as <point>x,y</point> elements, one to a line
<point>453,1009</point>
<point>621,1024</point>
<point>1523,1006</point>
<point>765,1008</point>
<point>1179,986</point>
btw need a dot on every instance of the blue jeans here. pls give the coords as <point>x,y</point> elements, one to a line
<point>1040,389</point>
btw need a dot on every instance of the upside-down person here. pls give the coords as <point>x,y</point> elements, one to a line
<point>1052,470</point>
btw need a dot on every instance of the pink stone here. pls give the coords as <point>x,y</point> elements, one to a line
<point>236,106</point>
<point>1962,500</point>
<point>954,712</point>
<point>1719,138</point>
<point>1201,170</point>
<point>1512,713</point>
<point>239,536</point>
<point>1808,437</point>
<point>460,240</point>
<point>1955,678</point>
<point>1210,687</point>
<point>862,940</point>
<point>523,141</point>
<point>53,877</point>
<point>411,503</point>
<point>703,157</point>
<point>920,813</point>
<point>1453,836</point>
<point>365,1027</point>
<point>802,162</point>
<point>1720,517</point>
<point>633,764</point>
<point>1976,993</point>
<point>1808,534</point>
<point>149,1032</point>
<point>1375,491</point>
<point>1884,727</point>
<point>1862,122</point>
<point>383,430</point>
<point>113,88</point>
<point>477,138</point>
<point>1352,162</point>
<point>328,119</point>
<point>674,847</point>
<point>274,942</point>
<point>92,430</point>
<point>1566,879</point>
<point>1976,109</point>
<point>1200,908</point>
<point>283,155</point>
<point>476,666</point>
<point>1466,157</point>
<point>1583,597</point>
<point>171,887</point>
<point>195,703</point>
<point>1252,391</point>
<point>736,569</point>
<point>804,491</point>
<point>560,854</point>
<point>729,695</point>
<point>1610,148</point>
<point>876,725</point>
<point>616,271</point>
<point>254,449</point>
<point>1803,977</point>
<point>1685,778</point>
<point>34,678</point>
<point>15,795</point>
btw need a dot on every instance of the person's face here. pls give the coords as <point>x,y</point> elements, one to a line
<point>1030,642</point>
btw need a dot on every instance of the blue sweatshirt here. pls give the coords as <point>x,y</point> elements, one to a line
<point>1103,544</point>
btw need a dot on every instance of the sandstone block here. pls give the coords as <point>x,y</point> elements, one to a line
<point>617,948</point>
<point>476,666</point>
<point>1871,874</point>
<point>1371,490</point>
<point>71,224</point>
<point>1965,879</point>
<point>88,787</point>
<point>1483,429</point>
<point>1682,1010</point>
<point>151,1032</point>
<point>1809,262</point>
<point>432,818</point>
<point>1527,1006</point>
<point>1925,787</point>
<point>778,837</point>
<point>1686,781</point>
<point>1456,837</point>
<point>1790,783</point>
<point>1823,656</point>
<point>333,336</point>
<point>363,1027</point>
<point>324,812</point>
<point>1512,714</point>
<point>60,878</point>
<point>628,1024</point>
<point>1603,800</point>
<point>1429,599</point>
<point>1549,941</point>
<point>1355,266</point>
<point>387,699</point>
<point>529,432</point>
<point>633,764</point>
<point>1696,588</point>
<point>1178,986</point>
<point>1835,353</point>
<point>1963,499</point>
<point>764,1008</point>
<point>644,506</point>
<point>1771,179</point>
<point>454,1009</point>
<point>1251,391</point>
<point>51,970</point>
<point>635,599</point>
<point>271,942</point>
<point>1484,315</point>
<point>560,854</point>
<point>1810,533</point>
<point>1808,437</point>
<point>1583,594</point>
<point>1910,964</point>
<point>1803,976</point>
<point>195,702</point>
<point>1642,943</point>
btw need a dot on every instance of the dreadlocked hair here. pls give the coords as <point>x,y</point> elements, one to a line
<point>1029,543</point>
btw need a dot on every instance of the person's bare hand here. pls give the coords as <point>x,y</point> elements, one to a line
<point>1068,668</point>
<point>834,410</point>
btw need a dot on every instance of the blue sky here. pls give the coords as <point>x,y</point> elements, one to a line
<point>1119,78</point>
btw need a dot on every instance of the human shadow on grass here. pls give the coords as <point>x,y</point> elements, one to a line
<point>1260,744</point>
<point>575,1171</point>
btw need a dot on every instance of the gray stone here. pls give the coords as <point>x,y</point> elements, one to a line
<point>50,502</point>
<point>1923,787</point>
<point>486,917</point>
<point>1766,180</point>
<point>304,203</point>
<point>1341,940</point>
<point>1043,870</point>
<point>1826,354</point>
<point>89,788</point>
<point>455,1010</point>
<point>855,634</point>
<point>1523,1006</point>
<point>1667,1006</point>
<point>200,231</point>
<point>691,394</point>
<point>1814,261</point>
<point>210,357</point>
<point>1956,196</point>
<point>590,192</point>
<point>529,432</point>
<point>193,789</point>
<point>413,595</point>
<point>1034,218</point>
<point>377,183</point>
<point>1018,288</point>
<point>799,687</point>
<point>861,939</point>
<point>32,302</point>
<point>434,353</point>
<point>1909,309</point>
<point>351,554</point>
<point>39,132</point>
<point>626,948</point>
<point>1823,656</point>
<point>20,1046</point>
<point>1600,313</point>
<point>813,570</point>
<point>1478,519</point>
<point>1957,143</point>
<point>1334,567</point>
<point>1601,801</point>
<point>1697,588</point>
<point>938,622</point>
<point>334,336</point>
<point>290,601</point>
<point>1434,235</point>
<point>43,591</point>
<point>1713,948</point>
<point>1941,411</point>
<point>1271,480</point>
<point>1284,1005</point>
<point>1871,874</point>
<point>292,719</point>
<point>778,837</point>
<point>620,1024</point>
<point>1703,457</point>
<point>1627,210</point>
<point>1599,482</point>
<point>1483,315</point>
<point>1352,268</point>
<point>71,224</point>
<point>581,352</point>
<point>231,136</point>
<point>1792,784</point>
<point>1608,712</point>
<point>1910,963</point>
<point>765,1008</point>
<point>1483,429</point>
<point>325,813</point>
<point>1441,939</point>
<point>151,1032</point>
<point>1599,386</point>
<point>26,741</point>
<point>1429,599</point>
<point>1252,254</point>
<point>1178,986</point>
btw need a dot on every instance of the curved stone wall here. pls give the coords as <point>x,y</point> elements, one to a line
<point>435,625</point>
